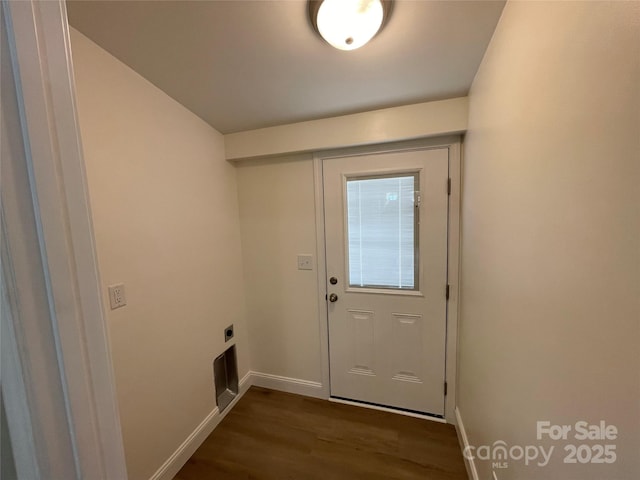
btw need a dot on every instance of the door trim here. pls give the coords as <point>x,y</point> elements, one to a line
<point>453,144</point>
<point>76,328</point>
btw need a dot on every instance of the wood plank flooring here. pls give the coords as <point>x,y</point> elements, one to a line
<point>272,435</point>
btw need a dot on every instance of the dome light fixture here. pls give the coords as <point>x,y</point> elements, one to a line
<point>348,24</point>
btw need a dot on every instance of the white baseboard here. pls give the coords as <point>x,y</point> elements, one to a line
<point>287,384</point>
<point>472,471</point>
<point>175,462</point>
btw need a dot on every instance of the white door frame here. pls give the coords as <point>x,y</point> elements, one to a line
<point>453,144</point>
<point>63,261</point>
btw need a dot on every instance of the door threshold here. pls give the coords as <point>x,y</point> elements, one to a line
<point>400,411</point>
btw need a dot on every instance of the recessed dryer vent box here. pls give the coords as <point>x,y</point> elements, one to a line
<point>225,376</point>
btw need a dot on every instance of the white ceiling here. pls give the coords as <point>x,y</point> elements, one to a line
<point>241,64</point>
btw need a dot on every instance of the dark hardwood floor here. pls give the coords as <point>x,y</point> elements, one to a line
<point>275,435</point>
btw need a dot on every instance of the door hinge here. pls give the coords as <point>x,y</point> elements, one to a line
<point>448,186</point>
<point>445,389</point>
<point>446,292</point>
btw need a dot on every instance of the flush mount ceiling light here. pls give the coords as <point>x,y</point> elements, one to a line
<point>348,24</point>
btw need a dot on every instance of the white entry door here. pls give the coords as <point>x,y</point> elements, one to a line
<point>386,251</point>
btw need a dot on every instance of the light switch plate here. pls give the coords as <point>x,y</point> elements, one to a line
<point>305,262</point>
<point>117,297</point>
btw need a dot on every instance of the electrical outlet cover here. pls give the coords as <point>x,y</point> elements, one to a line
<point>117,297</point>
<point>228,333</point>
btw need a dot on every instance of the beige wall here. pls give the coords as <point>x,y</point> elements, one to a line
<point>551,233</point>
<point>165,213</point>
<point>278,222</point>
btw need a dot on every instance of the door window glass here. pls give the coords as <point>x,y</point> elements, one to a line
<point>382,233</point>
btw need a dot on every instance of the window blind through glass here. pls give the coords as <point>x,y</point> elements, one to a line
<point>381,231</point>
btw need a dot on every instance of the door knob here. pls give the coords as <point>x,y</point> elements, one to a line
<point>333,280</point>
<point>333,297</point>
